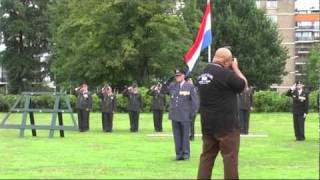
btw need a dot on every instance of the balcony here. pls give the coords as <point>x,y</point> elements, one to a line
<point>308,39</point>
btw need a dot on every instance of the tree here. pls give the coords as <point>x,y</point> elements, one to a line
<point>25,31</point>
<point>313,66</point>
<point>253,38</point>
<point>116,41</point>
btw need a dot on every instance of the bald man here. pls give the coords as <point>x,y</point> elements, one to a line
<point>218,86</point>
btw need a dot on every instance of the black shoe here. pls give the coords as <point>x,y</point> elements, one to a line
<point>179,158</point>
<point>185,157</point>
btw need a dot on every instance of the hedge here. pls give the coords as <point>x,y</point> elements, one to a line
<point>264,101</point>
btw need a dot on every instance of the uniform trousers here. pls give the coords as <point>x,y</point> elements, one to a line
<point>134,121</point>
<point>298,125</point>
<point>157,120</point>
<point>83,120</point>
<point>181,139</point>
<point>107,121</point>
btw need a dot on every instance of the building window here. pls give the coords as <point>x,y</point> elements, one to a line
<point>316,35</point>
<point>305,25</point>
<point>316,25</point>
<point>273,18</point>
<point>258,4</point>
<point>272,4</point>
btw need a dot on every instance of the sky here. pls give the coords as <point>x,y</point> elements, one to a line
<point>307,4</point>
<point>300,5</point>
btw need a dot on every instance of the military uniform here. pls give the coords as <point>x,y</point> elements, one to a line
<point>244,104</point>
<point>83,106</point>
<point>183,107</point>
<point>135,104</point>
<point>108,107</point>
<point>300,107</point>
<point>158,106</point>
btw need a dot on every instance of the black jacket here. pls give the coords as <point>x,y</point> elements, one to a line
<point>158,100</point>
<point>108,103</point>
<point>245,100</point>
<point>84,100</point>
<point>218,88</point>
<point>300,102</point>
<point>135,101</point>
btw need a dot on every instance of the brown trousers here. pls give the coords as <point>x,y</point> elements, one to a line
<point>228,144</point>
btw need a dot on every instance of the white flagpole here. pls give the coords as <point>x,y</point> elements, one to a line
<point>209,48</point>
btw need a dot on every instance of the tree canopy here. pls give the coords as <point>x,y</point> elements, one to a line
<point>121,41</point>
<point>24,24</point>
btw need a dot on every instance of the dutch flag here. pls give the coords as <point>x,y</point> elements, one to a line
<point>203,40</point>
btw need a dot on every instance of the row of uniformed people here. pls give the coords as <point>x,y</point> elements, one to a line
<point>108,105</point>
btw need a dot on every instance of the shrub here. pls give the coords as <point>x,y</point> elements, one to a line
<point>264,101</point>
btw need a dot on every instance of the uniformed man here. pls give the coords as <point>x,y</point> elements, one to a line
<point>193,119</point>
<point>183,107</point>
<point>158,105</point>
<point>108,107</point>
<point>218,87</point>
<point>245,106</point>
<point>300,109</point>
<point>83,106</point>
<point>135,104</point>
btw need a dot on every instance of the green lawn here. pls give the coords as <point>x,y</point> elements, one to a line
<point>122,154</point>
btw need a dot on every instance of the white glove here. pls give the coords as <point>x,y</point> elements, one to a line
<point>304,115</point>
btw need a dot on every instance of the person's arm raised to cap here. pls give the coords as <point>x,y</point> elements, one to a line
<point>238,81</point>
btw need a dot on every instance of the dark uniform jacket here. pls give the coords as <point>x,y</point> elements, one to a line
<point>108,103</point>
<point>84,100</point>
<point>300,102</point>
<point>218,88</point>
<point>158,100</point>
<point>135,101</point>
<point>184,101</point>
<point>245,100</point>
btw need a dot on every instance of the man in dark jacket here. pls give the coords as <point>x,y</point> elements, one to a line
<point>183,107</point>
<point>218,87</point>
<point>83,106</point>
<point>245,106</point>
<point>158,106</point>
<point>108,107</point>
<point>193,119</point>
<point>135,104</point>
<point>300,101</point>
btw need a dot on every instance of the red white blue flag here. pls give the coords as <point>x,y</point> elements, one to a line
<point>203,39</point>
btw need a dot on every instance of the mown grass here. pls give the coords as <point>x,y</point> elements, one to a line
<point>124,155</point>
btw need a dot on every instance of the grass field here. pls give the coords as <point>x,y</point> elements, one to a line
<point>122,154</point>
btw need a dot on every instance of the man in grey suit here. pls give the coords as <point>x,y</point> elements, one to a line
<point>183,107</point>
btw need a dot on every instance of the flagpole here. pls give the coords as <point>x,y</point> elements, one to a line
<point>209,48</point>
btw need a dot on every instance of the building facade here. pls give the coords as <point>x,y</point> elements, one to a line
<point>282,12</point>
<point>307,34</point>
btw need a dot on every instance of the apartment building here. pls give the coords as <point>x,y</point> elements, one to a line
<point>307,34</point>
<point>282,12</point>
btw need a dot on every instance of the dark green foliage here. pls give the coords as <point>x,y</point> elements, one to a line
<point>264,101</point>
<point>24,24</point>
<point>313,67</point>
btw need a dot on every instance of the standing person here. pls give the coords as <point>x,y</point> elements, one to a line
<point>83,106</point>
<point>183,106</point>
<point>193,118</point>
<point>299,109</point>
<point>135,104</point>
<point>158,106</point>
<point>218,87</point>
<point>108,106</point>
<point>245,106</point>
